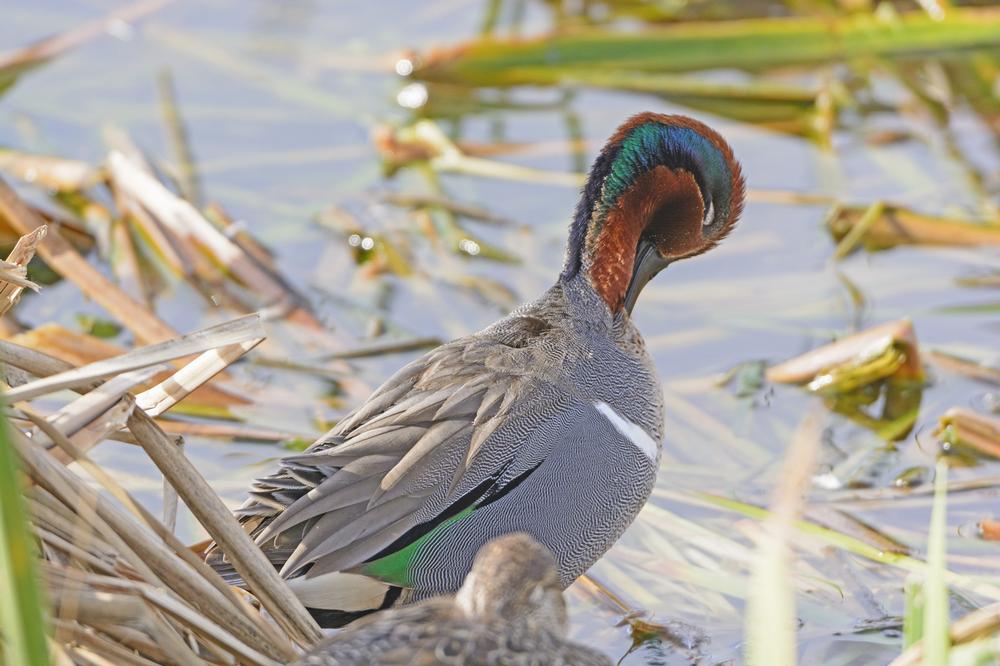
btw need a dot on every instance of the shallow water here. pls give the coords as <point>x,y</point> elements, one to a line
<point>279,100</point>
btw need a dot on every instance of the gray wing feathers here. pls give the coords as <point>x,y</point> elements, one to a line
<point>399,459</point>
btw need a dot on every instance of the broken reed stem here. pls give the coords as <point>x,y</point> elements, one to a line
<point>859,230</point>
<point>151,558</point>
<point>178,386</point>
<point>22,253</point>
<point>65,260</point>
<point>259,574</point>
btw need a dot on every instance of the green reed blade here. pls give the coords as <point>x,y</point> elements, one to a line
<point>936,641</point>
<point>913,612</point>
<point>752,43</point>
<point>22,624</point>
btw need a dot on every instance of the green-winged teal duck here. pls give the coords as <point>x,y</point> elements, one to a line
<point>547,422</point>
<point>510,611</point>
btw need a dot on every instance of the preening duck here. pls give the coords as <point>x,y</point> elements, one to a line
<point>548,422</point>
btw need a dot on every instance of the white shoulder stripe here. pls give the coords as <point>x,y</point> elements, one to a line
<point>629,430</point>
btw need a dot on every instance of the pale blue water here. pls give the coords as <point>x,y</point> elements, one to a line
<point>279,100</point>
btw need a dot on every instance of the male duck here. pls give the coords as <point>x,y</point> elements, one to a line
<point>510,610</point>
<point>548,422</point>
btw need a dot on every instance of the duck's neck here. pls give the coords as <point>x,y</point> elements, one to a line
<point>585,305</point>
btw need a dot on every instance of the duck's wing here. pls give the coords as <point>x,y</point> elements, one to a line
<point>409,458</point>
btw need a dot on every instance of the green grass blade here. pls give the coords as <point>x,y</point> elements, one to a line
<point>936,642</point>
<point>21,618</point>
<point>913,613</point>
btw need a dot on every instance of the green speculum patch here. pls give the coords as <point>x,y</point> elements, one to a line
<point>395,568</point>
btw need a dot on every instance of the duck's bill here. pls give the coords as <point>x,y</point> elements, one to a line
<point>648,262</point>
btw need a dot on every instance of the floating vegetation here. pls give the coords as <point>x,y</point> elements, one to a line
<point>880,227</point>
<point>979,433</point>
<point>880,366</point>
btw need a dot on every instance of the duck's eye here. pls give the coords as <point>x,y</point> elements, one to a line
<point>709,214</point>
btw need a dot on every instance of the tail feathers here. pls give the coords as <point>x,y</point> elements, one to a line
<point>337,599</point>
<point>333,619</point>
<point>218,561</point>
<point>340,591</point>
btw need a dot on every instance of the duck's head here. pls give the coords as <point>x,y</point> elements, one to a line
<point>514,578</point>
<point>663,188</point>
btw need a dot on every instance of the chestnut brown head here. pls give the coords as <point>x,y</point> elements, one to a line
<point>663,188</point>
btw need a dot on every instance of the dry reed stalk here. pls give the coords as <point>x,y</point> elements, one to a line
<point>92,607</point>
<point>131,638</point>
<point>259,574</point>
<point>78,636</point>
<point>65,260</point>
<point>893,225</point>
<point>152,558</point>
<point>74,454</point>
<point>103,426</point>
<point>962,366</point>
<point>74,416</point>
<point>36,362</point>
<point>158,399</point>
<point>51,47</point>
<point>57,542</point>
<point>73,347</point>
<point>770,624</point>
<point>228,431</point>
<point>187,177</point>
<point>239,235</point>
<point>172,255</point>
<point>53,173</point>
<point>80,349</point>
<point>184,221</point>
<point>227,333</point>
